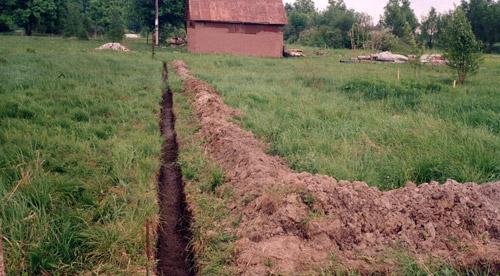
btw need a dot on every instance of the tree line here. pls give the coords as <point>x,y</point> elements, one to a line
<point>89,18</point>
<point>399,28</point>
<point>336,27</point>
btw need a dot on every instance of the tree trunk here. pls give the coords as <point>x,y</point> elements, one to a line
<point>28,31</point>
<point>461,77</point>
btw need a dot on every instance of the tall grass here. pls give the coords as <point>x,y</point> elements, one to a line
<point>79,141</point>
<point>358,122</point>
<point>79,151</point>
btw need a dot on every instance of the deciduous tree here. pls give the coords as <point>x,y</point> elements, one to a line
<point>462,49</point>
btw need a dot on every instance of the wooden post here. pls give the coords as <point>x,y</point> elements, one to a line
<point>152,49</point>
<point>454,83</point>
<point>157,25</point>
<point>148,247</point>
<point>2,269</point>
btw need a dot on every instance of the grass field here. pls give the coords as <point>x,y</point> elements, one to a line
<point>357,122</point>
<point>80,145</point>
<point>79,152</point>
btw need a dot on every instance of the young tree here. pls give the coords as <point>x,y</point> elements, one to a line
<point>462,49</point>
<point>429,28</point>
<point>408,36</point>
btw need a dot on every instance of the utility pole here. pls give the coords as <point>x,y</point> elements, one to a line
<point>157,24</point>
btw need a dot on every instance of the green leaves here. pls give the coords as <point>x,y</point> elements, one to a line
<point>397,15</point>
<point>461,47</point>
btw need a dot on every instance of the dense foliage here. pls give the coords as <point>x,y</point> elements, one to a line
<point>398,30</point>
<point>335,27</point>
<point>462,48</point>
<point>329,28</point>
<point>84,18</point>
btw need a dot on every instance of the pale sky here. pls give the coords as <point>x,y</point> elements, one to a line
<point>376,7</point>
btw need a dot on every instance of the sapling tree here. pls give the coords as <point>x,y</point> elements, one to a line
<point>461,46</point>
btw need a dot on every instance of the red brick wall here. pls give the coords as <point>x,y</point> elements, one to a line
<point>238,39</point>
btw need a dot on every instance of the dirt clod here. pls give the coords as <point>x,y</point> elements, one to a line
<point>295,222</point>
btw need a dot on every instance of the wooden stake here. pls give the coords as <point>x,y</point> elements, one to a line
<point>2,269</point>
<point>148,247</point>
<point>152,49</point>
<point>454,83</point>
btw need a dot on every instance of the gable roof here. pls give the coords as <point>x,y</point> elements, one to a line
<point>271,12</point>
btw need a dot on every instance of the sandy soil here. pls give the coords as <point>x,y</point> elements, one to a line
<point>296,223</point>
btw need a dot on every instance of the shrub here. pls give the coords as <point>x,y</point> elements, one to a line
<point>6,23</point>
<point>462,48</point>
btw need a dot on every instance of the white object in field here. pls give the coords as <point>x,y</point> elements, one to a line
<point>435,59</point>
<point>390,57</point>
<point>113,46</point>
<point>132,36</point>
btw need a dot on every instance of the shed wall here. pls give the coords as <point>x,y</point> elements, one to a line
<point>234,38</point>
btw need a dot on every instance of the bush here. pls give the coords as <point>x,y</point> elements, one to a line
<point>6,23</point>
<point>386,41</point>
<point>322,37</point>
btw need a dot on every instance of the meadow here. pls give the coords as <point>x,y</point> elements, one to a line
<point>79,153</point>
<point>80,144</point>
<point>358,122</point>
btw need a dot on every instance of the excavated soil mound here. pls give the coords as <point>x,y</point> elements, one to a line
<point>113,46</point>
<point>297,223</point>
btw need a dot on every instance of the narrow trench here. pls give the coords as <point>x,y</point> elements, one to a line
<point>173,249</point>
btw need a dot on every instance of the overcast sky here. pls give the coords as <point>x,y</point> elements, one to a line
<point>376,7</point>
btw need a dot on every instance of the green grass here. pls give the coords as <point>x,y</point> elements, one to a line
<point>213,225</point>
<point>357,122</point>
<point>79,142</point>
<point>79,151</point>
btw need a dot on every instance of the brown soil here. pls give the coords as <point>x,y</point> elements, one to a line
<point>297,223</point>
<point>173,251</point>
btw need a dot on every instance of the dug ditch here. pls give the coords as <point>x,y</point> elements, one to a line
<point>173,245</point>
<point>301,224</point>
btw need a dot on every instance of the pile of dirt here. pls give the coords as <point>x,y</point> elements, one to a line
<point>113,46</point>
<point>295,223</point>
<point>434,59</point>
